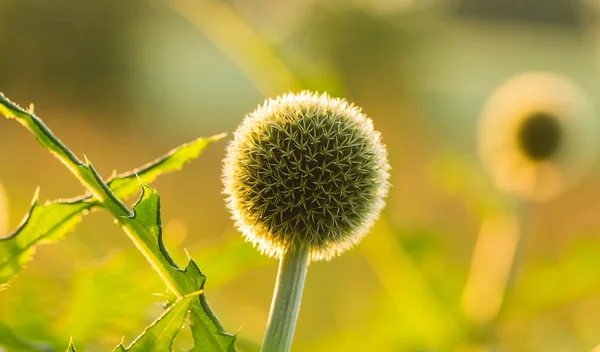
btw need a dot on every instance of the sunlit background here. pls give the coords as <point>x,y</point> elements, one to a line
<point>125,81</point>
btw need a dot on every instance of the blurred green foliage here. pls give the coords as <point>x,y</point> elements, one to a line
<point>124,82</point>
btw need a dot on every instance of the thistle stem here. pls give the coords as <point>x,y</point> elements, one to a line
<point>523,212</point>
<point>286,301</point>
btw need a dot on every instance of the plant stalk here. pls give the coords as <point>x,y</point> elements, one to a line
<point>286,301</point>
<point>523,213</point>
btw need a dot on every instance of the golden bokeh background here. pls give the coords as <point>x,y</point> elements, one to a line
<point>125,81</point>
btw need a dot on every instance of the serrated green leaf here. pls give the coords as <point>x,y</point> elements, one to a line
<point>159,336</point>
<point>142,226</point>
<point>125,185</point>
<point>14,344</point>
<point>147,220</point>
<point>49,222</point>
<point>208,331</point>
<point>42,224</point>
<point>71,347</point>
<point>199,320</point>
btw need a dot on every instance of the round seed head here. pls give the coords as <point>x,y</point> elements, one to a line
<point>305,170</point>
<point>537,135</point>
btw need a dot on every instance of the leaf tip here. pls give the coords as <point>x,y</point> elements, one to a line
<point>71,347</point>
<point>87,161</point>
<point>36,196</point>
<point>218,137</point>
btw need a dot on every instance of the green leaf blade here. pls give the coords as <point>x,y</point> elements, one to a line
<point>208,332</point>
<point>45,223</point>
<point>143,230</point>
<point>146,223</point>
<point>127,184</point>
<point>50,222</point>
<point>159,336</point>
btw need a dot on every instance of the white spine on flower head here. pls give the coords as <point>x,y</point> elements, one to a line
<point>305,170</point>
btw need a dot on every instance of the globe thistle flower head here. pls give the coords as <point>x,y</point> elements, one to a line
<point>305,170</point>
<point>537,135</point>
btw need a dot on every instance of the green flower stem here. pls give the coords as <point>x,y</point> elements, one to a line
<point>286,301</point>
<point>523,213</point>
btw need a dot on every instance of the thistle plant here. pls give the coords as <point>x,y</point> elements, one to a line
<point>52,221</point>
<point>305,177</point>
<point>537,136</point>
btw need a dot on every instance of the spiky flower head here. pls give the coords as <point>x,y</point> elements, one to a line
<point>537,135</point>
<point>305,170</point>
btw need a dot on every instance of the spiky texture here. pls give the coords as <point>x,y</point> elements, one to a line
<point>305,170</point>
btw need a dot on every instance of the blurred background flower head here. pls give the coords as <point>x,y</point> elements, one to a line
<point>537,135</point>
